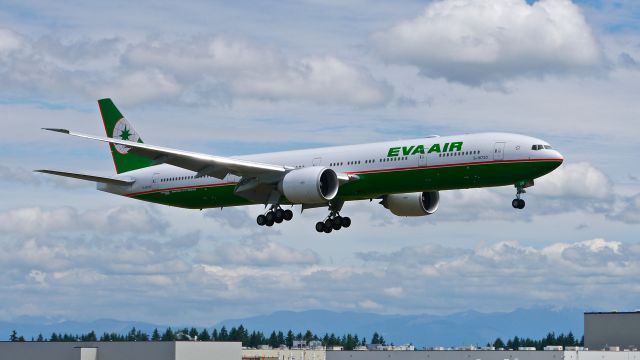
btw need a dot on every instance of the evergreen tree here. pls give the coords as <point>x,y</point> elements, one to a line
<point>214,335</point>
<point>308,336</point>
<point>155,336</point>
<point>273,340</point>
<point>204,335</point>
<point>193,332</point>
<point>289,339</point>
<point>91,336</point>
<point>375,339</point>
<point>40,337</point>
<point>498,343</point>
<point>281,339</point>
<point>168,335</point>
<point>224,335</point>
<point>14,336</point>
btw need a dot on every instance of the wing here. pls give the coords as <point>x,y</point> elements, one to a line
<point>202,164</point>
<point>100,179</point>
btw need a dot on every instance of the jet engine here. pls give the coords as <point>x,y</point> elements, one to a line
<point>312,185</point>
<point>412,204</point>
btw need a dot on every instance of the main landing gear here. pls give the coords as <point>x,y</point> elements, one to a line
<point>333,222</point>
<point>518,203</point>
<point>275,215</point>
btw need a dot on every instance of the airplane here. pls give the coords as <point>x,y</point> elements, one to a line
<point>405,175</point>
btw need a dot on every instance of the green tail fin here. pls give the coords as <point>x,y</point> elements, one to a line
<point>117,127</point>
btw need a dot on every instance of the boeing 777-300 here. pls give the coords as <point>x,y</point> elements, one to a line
<point>405,175</point>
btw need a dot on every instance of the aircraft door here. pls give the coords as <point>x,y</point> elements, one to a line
<point>498,152</point>
<point>422,160</point>
<point>317,161</point>
<point>155,181</point>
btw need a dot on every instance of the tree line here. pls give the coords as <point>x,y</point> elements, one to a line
<point>550,340</point>
<point>239,334</point>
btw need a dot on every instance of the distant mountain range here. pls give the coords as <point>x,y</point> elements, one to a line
<point>464,328</point>
<point>33,325</point>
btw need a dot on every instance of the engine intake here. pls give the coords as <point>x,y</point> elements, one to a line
<point>412,204</point>
<point>312,185</point>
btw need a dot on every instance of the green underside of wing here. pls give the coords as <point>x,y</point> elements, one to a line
<point>372,185</point>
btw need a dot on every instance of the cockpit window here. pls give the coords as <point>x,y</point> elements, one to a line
<point>540,147</point>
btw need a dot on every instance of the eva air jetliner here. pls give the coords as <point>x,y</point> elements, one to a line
<point>405,175</point>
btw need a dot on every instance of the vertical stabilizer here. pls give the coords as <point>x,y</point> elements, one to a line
<point>116,126</point>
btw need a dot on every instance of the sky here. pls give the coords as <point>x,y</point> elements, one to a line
<point>241,77</point>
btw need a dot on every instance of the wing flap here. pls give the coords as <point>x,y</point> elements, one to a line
<point>100,179</point>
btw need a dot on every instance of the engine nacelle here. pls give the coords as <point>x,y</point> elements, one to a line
<point>412,204</point>
<point>312,185</point>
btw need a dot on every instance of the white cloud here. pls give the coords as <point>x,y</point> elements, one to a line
<point>192,70</point>
<point>258,253</point>
<point>35,220</point>
<point>9,41</point>
<point>141,86</point>
<point>577,180</point>
<point>18,175</point>
<point>395,291</point>
<point>231,217</point>
<point>627,210</point>
<point>474,41</point>
<point>246,71</point>
<point>369,305</point>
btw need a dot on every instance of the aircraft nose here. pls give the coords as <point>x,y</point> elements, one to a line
<point>559,156</point>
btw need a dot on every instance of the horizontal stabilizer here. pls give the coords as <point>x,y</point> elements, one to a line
<point>100,179</point>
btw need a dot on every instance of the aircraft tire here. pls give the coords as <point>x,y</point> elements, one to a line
<point>320,226</point>
<point>270,216</point>
<point>346,222</point>
<point>288,215</point>
<point>261,220</point>
<point>269,222</point>
<point>521,204</point>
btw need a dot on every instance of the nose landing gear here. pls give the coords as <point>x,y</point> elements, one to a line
<point>518,203</point>
<point>275,215</point>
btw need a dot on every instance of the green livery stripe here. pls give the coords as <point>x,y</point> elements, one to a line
<point>374,183</point>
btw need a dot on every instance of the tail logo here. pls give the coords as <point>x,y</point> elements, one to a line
<point>124,131</point>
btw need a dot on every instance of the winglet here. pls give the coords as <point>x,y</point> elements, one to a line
<point>64,131</point>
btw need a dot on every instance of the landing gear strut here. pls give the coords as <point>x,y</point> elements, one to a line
<point>518,203</point>
<point>275,215</point>
<point>334,221</point>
